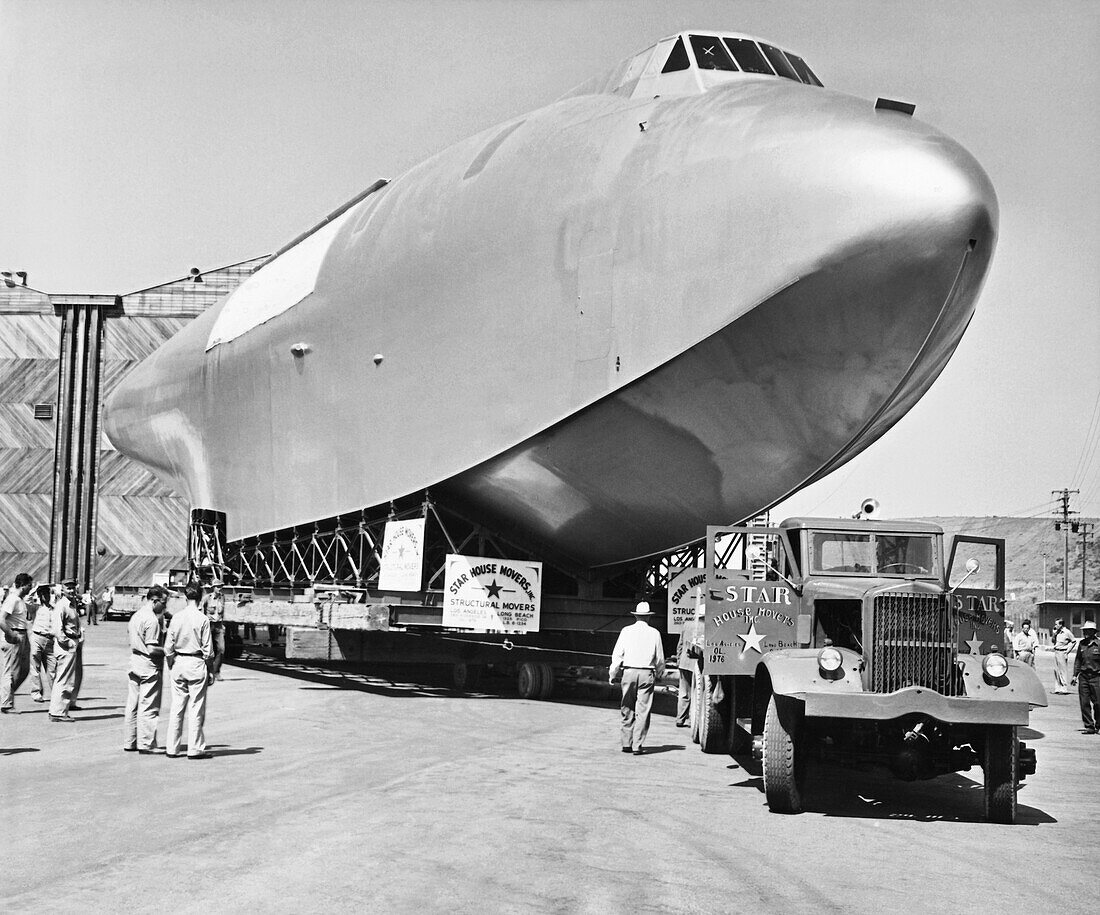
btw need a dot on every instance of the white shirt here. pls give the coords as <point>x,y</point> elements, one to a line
<point>1064,639</point>
<point>189,634</point>
<point>639,645</point>
<point>1025,641</point>
<point>15,609</point>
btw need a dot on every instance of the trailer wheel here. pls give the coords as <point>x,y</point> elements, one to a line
<point>529,680</point>
<point>696,703</point>
<point>712,731</point>
<point>783,766</point>
<point>465,676</point>
<point>1000,763</point>
<point>546,681</point>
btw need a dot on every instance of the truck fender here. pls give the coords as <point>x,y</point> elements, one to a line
<point>795,671</point>
<point>1020,684</point>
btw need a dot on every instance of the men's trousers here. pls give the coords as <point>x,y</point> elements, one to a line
<point>143,707</point>
<point>637,705</point>
<point>64,680</point>
<point>43,665</point>
<point>189,682</point>
<point>683,696</point>
<point>17,662</point>
<point>1088,690</point>
<point>1061,671</point>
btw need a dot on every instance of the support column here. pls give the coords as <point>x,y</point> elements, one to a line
<point>73,521</point>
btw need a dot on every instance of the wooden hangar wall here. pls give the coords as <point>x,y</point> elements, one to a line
<point>131,525</point>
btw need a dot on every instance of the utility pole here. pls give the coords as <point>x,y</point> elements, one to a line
<point>1062,521</point>
<point>1085,532</point>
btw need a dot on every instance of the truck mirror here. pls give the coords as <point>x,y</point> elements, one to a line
<point>972,565</point>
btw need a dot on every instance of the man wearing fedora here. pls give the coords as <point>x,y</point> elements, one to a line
<point>638,660</point>
<point>1086,669</point>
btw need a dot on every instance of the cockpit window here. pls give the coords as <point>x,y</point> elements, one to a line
<point>678,59</point>
<point>747,55</point>
<point>803,70</point>
<point>780,62</point>
<point>710,54</point>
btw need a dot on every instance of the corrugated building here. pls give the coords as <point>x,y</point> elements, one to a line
<point>70,505</point>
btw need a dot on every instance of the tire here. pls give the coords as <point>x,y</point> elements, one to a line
<point>696,703</point>
<point>529,680</point>
<point>546,681</point>
<point>712,730</point>
<point>465,676</point>
<point>782,756</point>
<point>1001,763</point>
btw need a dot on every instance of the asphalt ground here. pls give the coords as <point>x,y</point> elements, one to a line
<point>331,791</point>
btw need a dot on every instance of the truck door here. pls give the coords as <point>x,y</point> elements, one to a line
<point>751,609</point>
<point>978,599</point>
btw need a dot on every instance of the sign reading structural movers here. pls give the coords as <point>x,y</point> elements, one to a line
<point>402,556</point>
<point>492,595</point>
<point>685,590</point>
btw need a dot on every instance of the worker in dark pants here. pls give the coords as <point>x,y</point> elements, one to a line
<point>688,650</point>
<point>1086,674</point>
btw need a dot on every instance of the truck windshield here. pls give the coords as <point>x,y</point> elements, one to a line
<point>898,555</point>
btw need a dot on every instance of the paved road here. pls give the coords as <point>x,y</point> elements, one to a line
<point>340,793</point>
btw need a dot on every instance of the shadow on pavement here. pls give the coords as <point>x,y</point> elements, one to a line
<point>11,751</point>
<point>663,748</point>
<point>868,793</point>
<point>101,717</point>
<point>219,749</point>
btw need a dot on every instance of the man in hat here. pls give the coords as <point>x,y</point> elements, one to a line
<point>688,650</point>
<point>16,661</point>
<point>1086,669</point>
<point>638,660</point>
<point>146,665</point>
<point>68,635</point>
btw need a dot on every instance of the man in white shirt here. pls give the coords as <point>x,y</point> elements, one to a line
<point>1026,643</point>
<point>1064,641</point>
<point>189,651</point>
<point>638,660</point>
<point>43,661</point>
<point>146,663</point>
<point>68,635</point>
<point>16,648</point>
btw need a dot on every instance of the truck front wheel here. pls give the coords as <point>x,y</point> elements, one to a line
<point>783,765</point>
<point>1000,763</point>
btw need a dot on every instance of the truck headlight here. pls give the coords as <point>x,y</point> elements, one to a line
<point>829,660</point>
<point>994,666</point>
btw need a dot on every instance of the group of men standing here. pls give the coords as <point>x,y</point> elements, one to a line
<point>43,637</point>
<point>187,647</point>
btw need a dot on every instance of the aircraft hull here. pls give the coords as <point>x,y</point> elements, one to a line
<point>598,336</point>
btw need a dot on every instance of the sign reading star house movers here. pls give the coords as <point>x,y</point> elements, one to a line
<point>402,556</point>
<point>492,595</point>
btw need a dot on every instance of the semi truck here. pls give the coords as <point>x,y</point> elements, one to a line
<point>857,643</point>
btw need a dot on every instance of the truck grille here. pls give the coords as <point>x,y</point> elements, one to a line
<point>914,639</point>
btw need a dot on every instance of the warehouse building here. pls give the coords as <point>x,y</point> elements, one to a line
<point>70,505</point>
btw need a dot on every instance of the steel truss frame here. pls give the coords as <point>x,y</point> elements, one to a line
<point>345,552</point>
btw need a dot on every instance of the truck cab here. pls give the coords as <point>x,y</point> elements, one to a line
<point>853,639</point>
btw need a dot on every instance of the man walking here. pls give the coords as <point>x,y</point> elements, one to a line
<point>1026,644</point>
<point>43,662</point>
<point>638,660</point>
<point>16,648</point>
<point>1063,644</point>
<point>68,635</point>
<point>189,652</point>
<point>146,660</point>
<point>688,650</point>
<point>1086,669</point>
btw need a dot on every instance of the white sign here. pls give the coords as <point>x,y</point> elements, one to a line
<point>402,556</point>
<point>684,590</point>
<point>492,595</point>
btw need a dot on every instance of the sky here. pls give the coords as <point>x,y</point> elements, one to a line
<point>139,139</point>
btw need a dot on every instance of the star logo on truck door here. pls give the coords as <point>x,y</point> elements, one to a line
<point>975,643</point>
<point>752,639</point>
